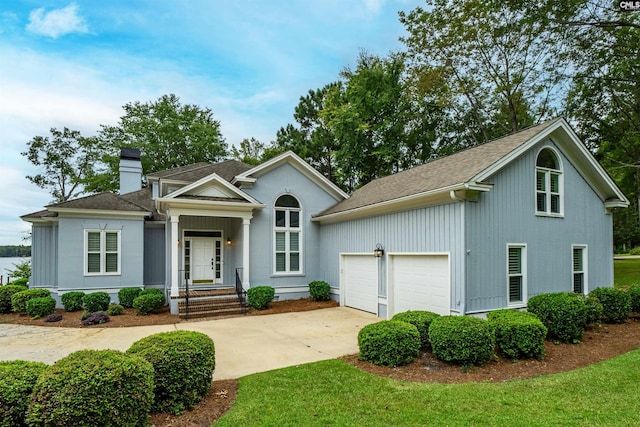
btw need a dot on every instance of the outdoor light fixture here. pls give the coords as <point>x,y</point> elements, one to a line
<point>229,242</point>
<point>378,251</point>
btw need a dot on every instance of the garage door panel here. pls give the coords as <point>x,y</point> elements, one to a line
<point>421,282</point>
<point>360,285</point>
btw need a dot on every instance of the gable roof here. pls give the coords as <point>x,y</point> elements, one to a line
<point>466,170</point>
<point>227,169</point>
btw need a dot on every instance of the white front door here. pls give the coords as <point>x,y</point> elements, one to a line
<point>206,260</point>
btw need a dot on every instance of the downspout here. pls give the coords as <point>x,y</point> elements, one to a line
<point>463,255</point>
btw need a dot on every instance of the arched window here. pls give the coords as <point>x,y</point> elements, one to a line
<point>548,183</point>
<point>287,235</point>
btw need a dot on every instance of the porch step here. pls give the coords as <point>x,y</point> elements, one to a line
<point>218,292</point>
<point>213,303</point>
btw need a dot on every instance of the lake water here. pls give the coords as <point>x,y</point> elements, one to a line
<point>7,263</point>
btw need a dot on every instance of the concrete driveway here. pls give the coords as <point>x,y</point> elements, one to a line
<point>244,345</point>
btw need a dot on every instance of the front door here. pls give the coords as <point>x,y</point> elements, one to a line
<point>205,265</point>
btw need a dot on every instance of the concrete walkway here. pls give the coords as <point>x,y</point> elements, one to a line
<point>244,345</point>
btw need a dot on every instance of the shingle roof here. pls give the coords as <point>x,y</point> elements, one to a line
<point>227,169</point>
<point>437,174</point>
<point>102,201</point>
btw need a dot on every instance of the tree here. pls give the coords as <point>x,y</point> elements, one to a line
<point>251,151</point>
<point>67,161</point>
<point>21,270</point>
<point>168,134</point>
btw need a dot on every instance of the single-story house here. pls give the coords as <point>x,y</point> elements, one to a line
<point>479,230</point>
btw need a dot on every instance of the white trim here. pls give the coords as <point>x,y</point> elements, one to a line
<point>214,177</point>
<point>547,178</point>
<point>223,245</point>
<point>102,252</point>
<point>84,213</point>
<point>585,267</point>
<point>524,274</point>
<point>287,230</point>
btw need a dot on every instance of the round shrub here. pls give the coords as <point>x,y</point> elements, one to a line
<point>149,302</point>
<point>319,290</point>
<point>259,297</point>
<point>93,388</point>
<point>634,294</point>
<point>72,301</point>
<point>23,281</point>
<point>183,362</point>
<point>96,301</point>
<point>17,379</point>
<point>518,334</point>
<point>97,318</point>
<point>593,309</point>
<point>115,310</point>
<point>151,291</point>
<point>389,343</point>
<point>464,340</point>
<point>41,307</point>
<point>563,313</point>
<point>6,292</point>
<point>421,320</point>
<point>127,295</point>
<point>19,299</point>
<point>616,304</point>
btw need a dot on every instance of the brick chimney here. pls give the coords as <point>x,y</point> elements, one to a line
<point>130,170</point>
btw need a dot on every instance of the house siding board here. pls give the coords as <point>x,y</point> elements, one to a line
<point>425,230</point>
<point>44,256</point>
<point>286,179</point>
<point>154,256</point>
<point>506,214</point>
<point>71,244</point>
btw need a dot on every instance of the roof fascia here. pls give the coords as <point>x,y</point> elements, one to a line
<point>214,177</point>
<point>71,212</point>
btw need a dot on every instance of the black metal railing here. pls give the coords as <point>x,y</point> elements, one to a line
<point>184,275</point>
<point>239,289</point>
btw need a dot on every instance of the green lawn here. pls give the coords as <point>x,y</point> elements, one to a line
<point>626,271</point>
<point>333,393</point>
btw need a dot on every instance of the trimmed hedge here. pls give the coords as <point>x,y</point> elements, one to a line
<point>183,362</point>
<point>149,302</point>
<point>41,307</point>
<point>518,334</point>
<point>19,299</point>
<point>72,301</point>
<point>259,297</point>
<point>389,343</point>
<point>421,320</point>
<point>616,304</point>
<point>594,309</point>
<point>6,292</point>
<point>93,388</point>
<point>563,313</point>
<point>127,295</point>
<point>151,291</point>
<point>23,281</point>
<point>17,379</point>
<point>115,310</point>
<point>634,294</point>
<point>319,290</point>
<point>96,301</point>
<point>464,340</point>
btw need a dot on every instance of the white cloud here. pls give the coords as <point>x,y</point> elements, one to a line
<point>57,22</point>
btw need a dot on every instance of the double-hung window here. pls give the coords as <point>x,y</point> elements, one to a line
<point>287,236</point>
<point>548,184</point>
<point>102,252</point>
<point>579,268</point>
<point>516,274</point>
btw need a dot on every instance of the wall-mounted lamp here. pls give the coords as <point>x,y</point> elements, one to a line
<point>378,251</point>
<point>228,242</point>
<point>178,242</point>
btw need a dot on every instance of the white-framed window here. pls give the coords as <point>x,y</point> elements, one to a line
<point>549,183</point>
<point>517,274</point>
<point>579,269</point>
<point>102,252</point>
<point>287,240</point>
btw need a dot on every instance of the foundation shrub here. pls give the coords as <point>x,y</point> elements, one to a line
<point>19,299</point>
<point>115,310</point>
<point>389,343</point>
<point>519,335</point>
<point>149,302</point>
<point>259,297</point>
<point>464,340</point>
<point>41,307</point>
<point>6,292</point>
<point>563,313</point>
<point>72,301</point>
<point>634,294</point>
<point>93,388</point>
<point>594,309</point>
<point>616,304</point>
<point>23,281</point>
<point>421,320</point>
<point>17,379</point>
<point>319,290</point>
<point>127,295</point>
<point>96,301</point>
<point>183,363</point>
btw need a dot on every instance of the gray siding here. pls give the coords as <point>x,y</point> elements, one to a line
<point>286,180</point>
<point>154,255</point>
<point>71,246</point>
<point>44,256</point>
<point>506,214</point>
<point>431,229</point>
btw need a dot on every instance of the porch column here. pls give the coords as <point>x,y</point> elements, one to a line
<point>175,220</point>
<point>245,253</point>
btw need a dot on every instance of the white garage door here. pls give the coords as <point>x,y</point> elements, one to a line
<point>360,282</point>
<point>420,282</point>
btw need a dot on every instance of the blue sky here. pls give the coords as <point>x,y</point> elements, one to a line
<point>75,64</point>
